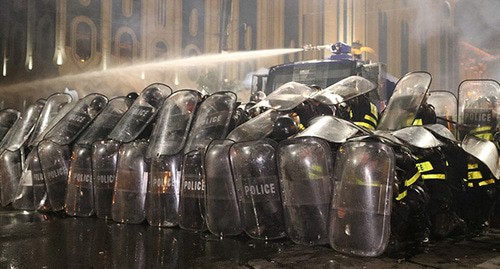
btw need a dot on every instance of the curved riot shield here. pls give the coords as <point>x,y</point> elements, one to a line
<point>418,136</point>
<point>331,129</point>
<point>445,106</point>
<point>12,151</point>
<point>141,113</point>
<point>257,127</point>
<point>22,128</point>
<point>80,193</point>
<point>104,123</point>
<point>164,153</point>
<point>362,200</point>
<point>24,196</point>
<point>192,198</point>
<point>77,119</point>
<point>174,122</point>
<point>79,199</point>
<point>8,117</point>
<point>131,181</point>
<point>10,172</point>
<point>257,184</point>
<point>286,97</point>
<point>212,120</point>
<point>41,200</point>
<point>55,108</point>
<point>104,163</point>
<point>348,88</point>
<point>405,101</point>
<point>305,169</point>
<point>485,151</point>
<point>478,108</point>
<point>162,196</point>
<point>54,161</point>
<point>223,213</point>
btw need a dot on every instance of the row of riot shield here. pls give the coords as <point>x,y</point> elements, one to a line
<point>183,158</point>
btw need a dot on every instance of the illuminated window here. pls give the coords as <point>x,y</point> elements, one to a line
<point>83,48</point>
<point>125,48</point>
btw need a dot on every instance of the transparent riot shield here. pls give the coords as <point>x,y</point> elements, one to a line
<point>79,197</point>
<point>222,208</point>
<point>165,157</point>
<point>305,172</point>
<point>257,127</point>
<point>445,106</point>
<point>55,108</point>
<point>80,193</point>
<point>106,121</point>
<point>485,151</point>
<point>55,149</point>
<point>8,117</point>
<point>346,89</point>
<point>12,149</point>
<point>405,101</point>
<point>257,184</point>
<point>361,205</point>
<point>131,182</point>
<point>478,103</point>
<point>41,200</point>
<point>286,97</point>
<point>141,113</point>
<point>22,128</point>
<point>212,120</point>
<point>173,123</point>
<point>104,163</point>
<point>77,119</point>
<point>24,196</point>
<point>162,197</point>
<point>192,198</point>
<point>10,173</point>
<point>54,161</point>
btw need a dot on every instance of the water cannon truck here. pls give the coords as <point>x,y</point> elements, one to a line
<point>345,60</point>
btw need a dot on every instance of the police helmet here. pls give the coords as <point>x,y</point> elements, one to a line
<point>284,127</point>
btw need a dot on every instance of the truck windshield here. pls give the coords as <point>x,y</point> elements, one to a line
<point>321,73</point>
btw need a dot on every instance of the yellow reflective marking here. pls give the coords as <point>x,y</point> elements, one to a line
<point>412,179</point>
<point>374,110</point>
<point>486,182</point>
<point>424,166</point>
<point>364,124</point>
<point>474,175</point>
<point>434,176</point>
<point>471,166</point>
<point>417,122</point>
<point>402,195</point>
<point>371,119</point>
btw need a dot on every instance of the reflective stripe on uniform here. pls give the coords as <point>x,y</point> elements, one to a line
<point>412,180</point>
<point>424,166</point>
<point>402,195</point>
<point>371,119</point>
<point>417,122</point>
<point>433,176</point>
<point>471,166</point>
<point>364,124</point>
<point>481,183</point>
<point>374,110</point>
<point>474,175</point>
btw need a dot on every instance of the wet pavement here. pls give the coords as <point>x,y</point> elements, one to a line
<point>33,240</point>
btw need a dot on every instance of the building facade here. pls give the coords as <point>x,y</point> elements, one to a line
<point>118,46</point>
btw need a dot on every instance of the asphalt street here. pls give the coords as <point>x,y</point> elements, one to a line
<point>34,240</point>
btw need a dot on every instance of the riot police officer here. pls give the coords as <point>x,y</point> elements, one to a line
<point>361,111</point>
